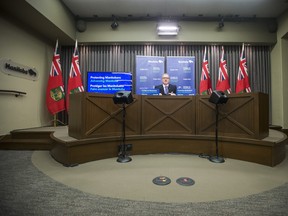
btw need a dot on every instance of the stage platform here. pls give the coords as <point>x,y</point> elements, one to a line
<point>70,151</point>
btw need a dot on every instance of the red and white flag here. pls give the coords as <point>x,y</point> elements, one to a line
<point>223,83</point>
<point>242,84</point>
<point>55,95</point>
<point>75,80</point>
<point>205,82</point>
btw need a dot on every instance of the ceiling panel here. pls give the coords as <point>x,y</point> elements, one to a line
<point>100,9</point>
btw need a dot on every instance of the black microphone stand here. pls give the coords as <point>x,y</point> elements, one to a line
<point>122,156</point>
<point>216,159</point>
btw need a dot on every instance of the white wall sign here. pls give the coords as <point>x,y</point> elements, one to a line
<point>9,67</point>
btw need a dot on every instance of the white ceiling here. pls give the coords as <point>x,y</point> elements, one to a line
<point>145,9</point>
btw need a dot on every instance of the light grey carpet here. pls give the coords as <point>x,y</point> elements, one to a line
<point>24,190</point>
<point>133,180</point>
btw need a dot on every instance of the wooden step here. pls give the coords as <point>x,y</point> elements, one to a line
<point>26,144</point>
<point>27,140</point>
<point>30,134</point>
<point>275,127</point>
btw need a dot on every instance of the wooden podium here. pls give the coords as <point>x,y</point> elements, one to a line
<point>170,124</point>
<point>95,115</point>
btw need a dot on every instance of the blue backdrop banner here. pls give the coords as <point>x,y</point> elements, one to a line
<point>149,70</point>
<point>182,73</point>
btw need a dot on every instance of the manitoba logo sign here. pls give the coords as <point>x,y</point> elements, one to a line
<point>12,68</point>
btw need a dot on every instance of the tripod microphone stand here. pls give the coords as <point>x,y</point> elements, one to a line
<point>217,97</point>
<point>122,156</point>
<point>216,159</point>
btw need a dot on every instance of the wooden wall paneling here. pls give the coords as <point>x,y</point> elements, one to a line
<point>263,117</point>
<point>96,115</point>
<point>133,116</point>
<point>77,112</point>
<point>168,114</point>
<point>206,116</point>
<point>102,116</point>
<point>239,117</point>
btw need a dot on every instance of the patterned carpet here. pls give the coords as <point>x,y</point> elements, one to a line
<point>133,180</point>
<point>25,190</point>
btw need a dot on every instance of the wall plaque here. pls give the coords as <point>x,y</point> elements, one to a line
<point>12,68</point>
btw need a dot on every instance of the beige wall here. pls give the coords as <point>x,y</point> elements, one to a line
<point>23,48</point>
<point>55,11</point>
<point>190,32</point>
<point>285,79</point>
<point>279,75</point>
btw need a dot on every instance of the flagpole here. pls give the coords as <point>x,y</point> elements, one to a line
<point>55,120</point>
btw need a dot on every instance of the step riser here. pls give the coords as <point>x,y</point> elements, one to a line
<point>26,144</point>
<point>29,135</point>
<point>21,140</point>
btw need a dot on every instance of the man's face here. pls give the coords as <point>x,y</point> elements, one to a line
<point>165,80</point>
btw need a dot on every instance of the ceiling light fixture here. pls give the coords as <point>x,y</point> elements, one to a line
<point>167,28</point>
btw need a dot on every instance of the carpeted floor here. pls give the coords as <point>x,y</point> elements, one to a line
<point>133,180</point>
<point>26,190</point>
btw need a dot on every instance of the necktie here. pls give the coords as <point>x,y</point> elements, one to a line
<point>166,89</point>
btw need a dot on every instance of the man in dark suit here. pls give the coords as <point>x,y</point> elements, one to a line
<point>166,88</point>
